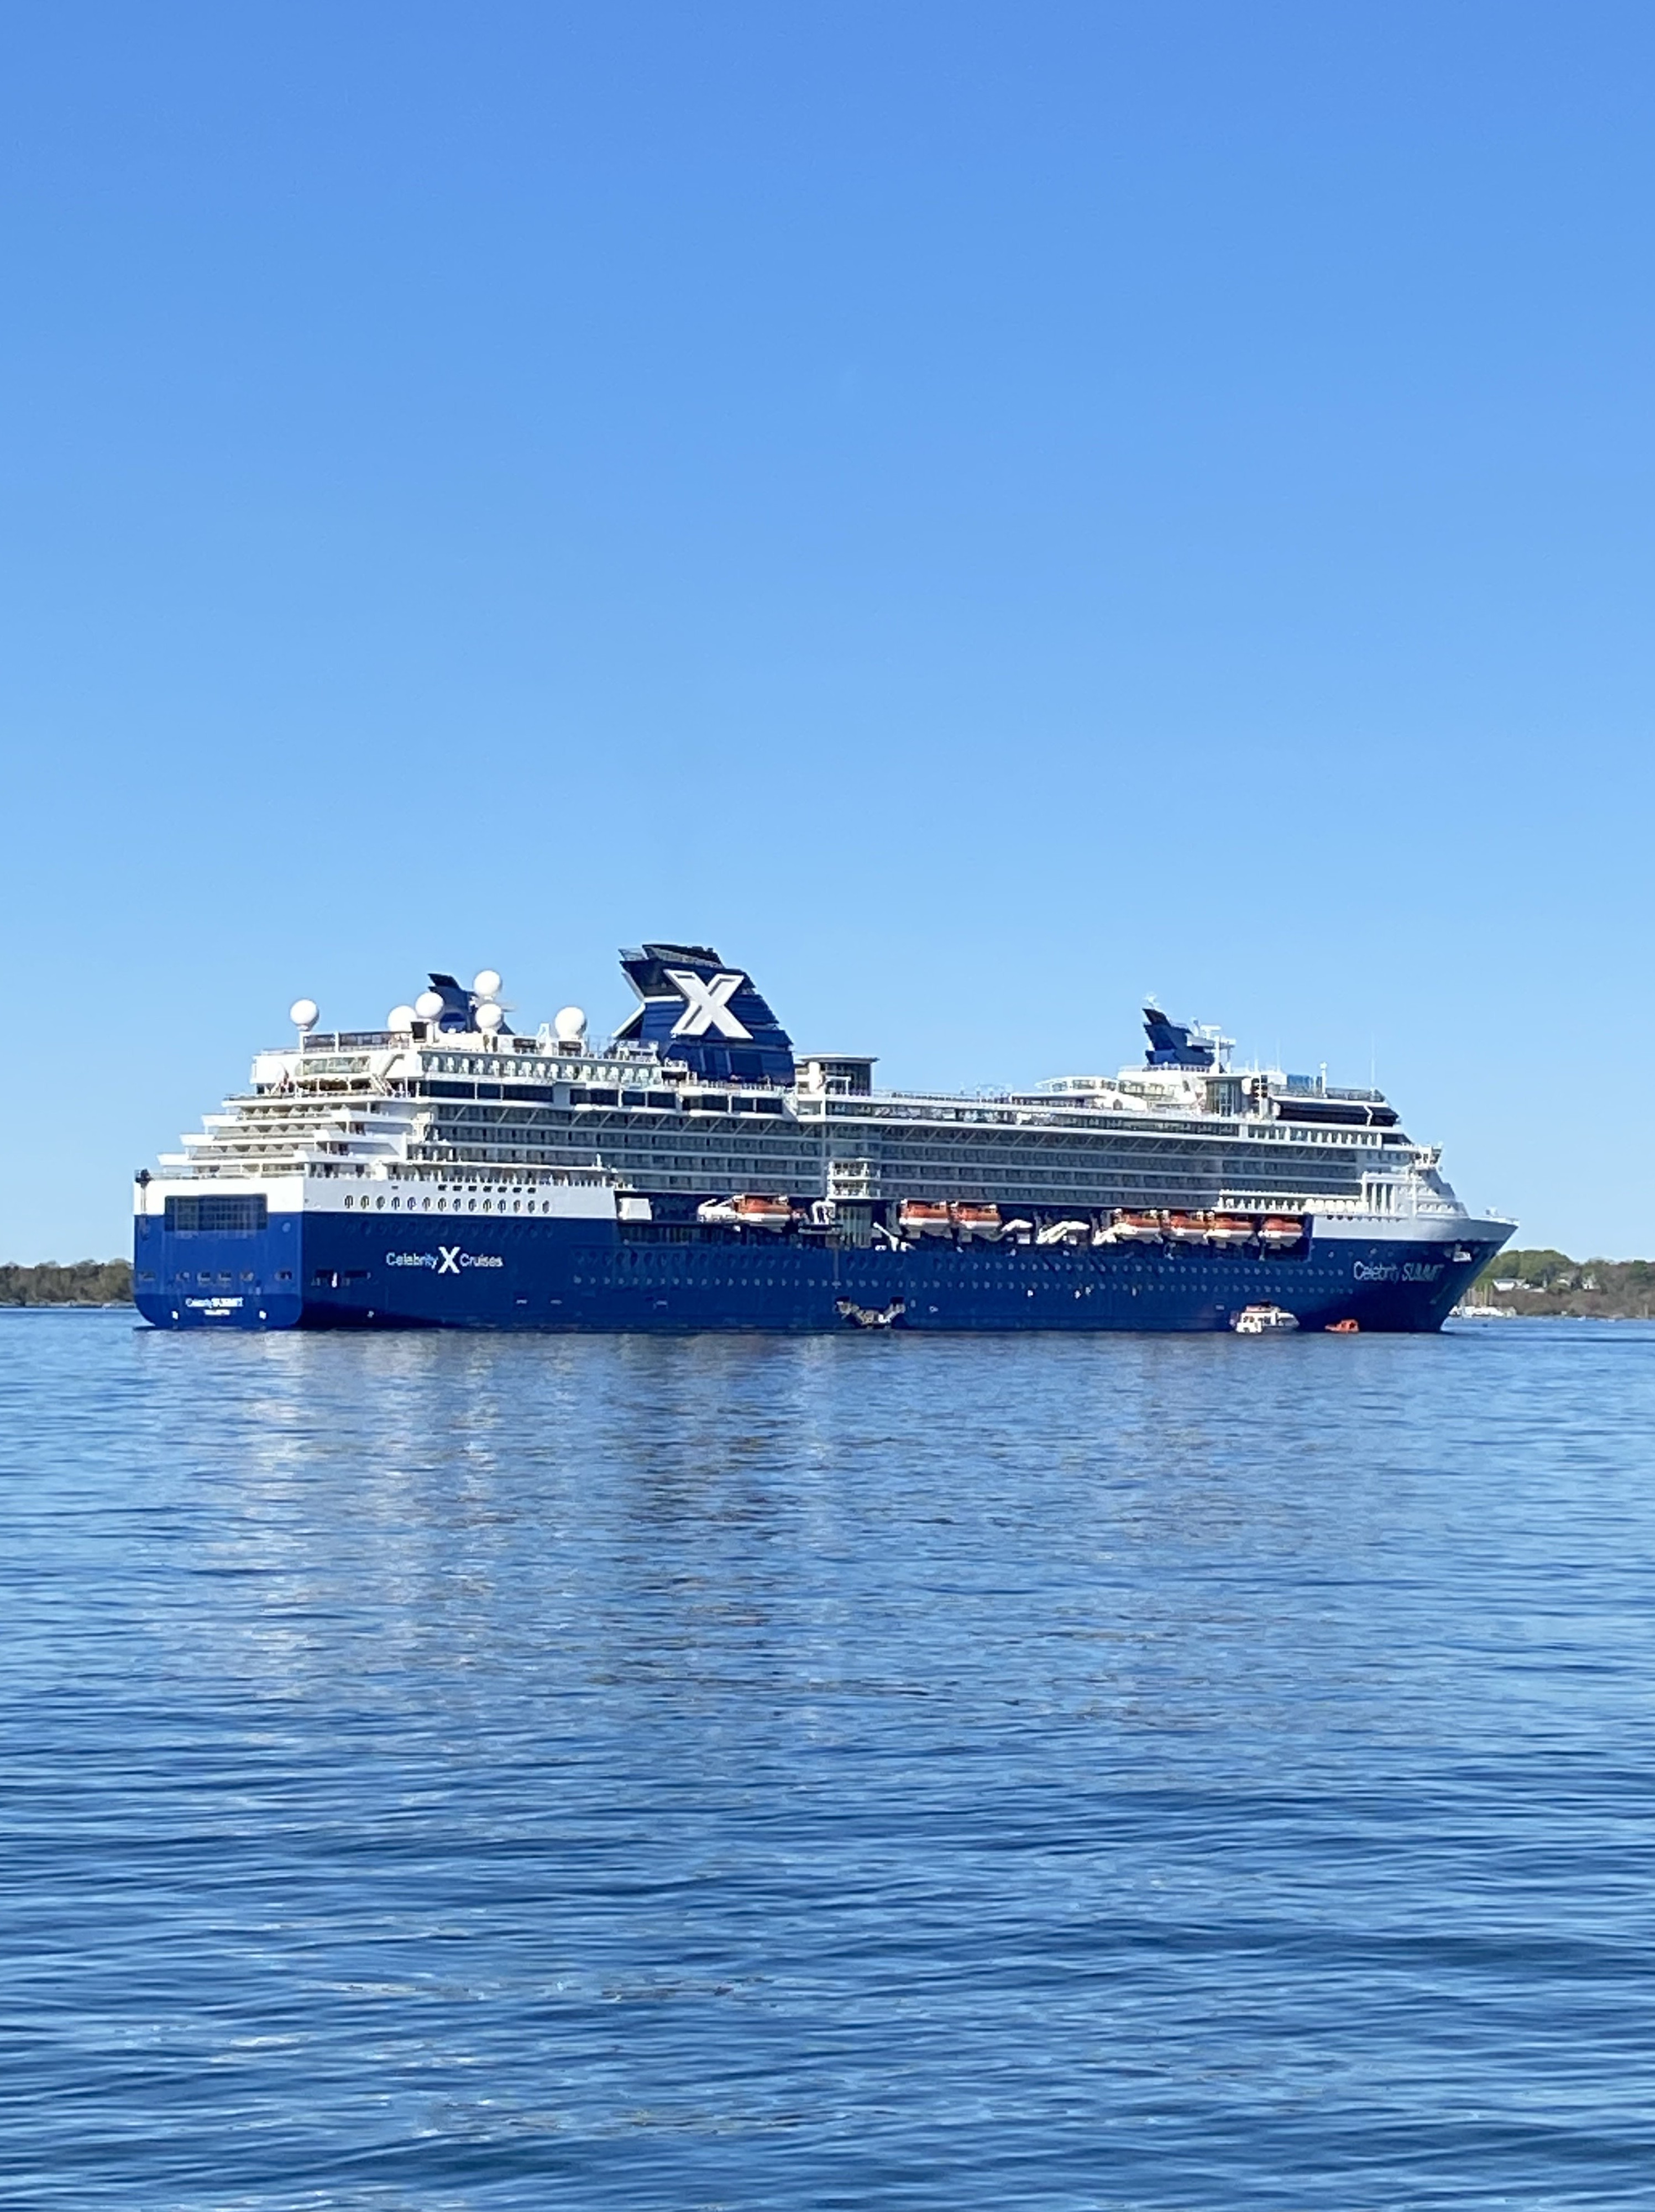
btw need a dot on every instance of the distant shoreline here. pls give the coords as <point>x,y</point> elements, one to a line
<point>1515,1313</point>
<point>80,1283</point>
<point>1547,1285</point>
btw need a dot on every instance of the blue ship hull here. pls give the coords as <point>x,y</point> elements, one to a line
<point>325,1270</point>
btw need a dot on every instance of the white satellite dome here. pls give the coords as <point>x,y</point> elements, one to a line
<point>486,984</point>
<point>569,1024</point>
<point>489,1017</point>
<point>428,1006</point>
<point>399,1020</point>
<point>303,1013</point>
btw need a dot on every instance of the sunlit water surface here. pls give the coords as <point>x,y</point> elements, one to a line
<point>927,1773</point>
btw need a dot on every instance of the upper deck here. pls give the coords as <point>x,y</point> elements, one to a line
<point>445,1094</point>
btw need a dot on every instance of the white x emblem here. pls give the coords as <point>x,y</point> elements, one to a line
<point>709,1007</point>
<point>449,1262</point>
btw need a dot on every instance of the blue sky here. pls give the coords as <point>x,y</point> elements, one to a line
<point>977,511</point>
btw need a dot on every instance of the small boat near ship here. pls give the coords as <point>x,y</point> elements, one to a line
<point>1263,1321</point>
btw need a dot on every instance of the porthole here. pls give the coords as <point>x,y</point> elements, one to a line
<point>349,1202</point>
<point>442,1205</point>
<point>379,1202</point>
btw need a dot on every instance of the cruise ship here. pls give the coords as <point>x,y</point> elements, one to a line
<point>697,1172</point>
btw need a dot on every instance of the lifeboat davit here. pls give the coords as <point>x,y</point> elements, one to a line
<point>976,1221</point>
<point>1065,1232</point>
<point>1279,1231</point>
<point>1137,1228</point>
<point>1186,1228</point>
<point>918,1216</point>
<point>1230,1228</point>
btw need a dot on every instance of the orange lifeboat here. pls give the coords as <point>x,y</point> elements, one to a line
<point>976,1221</point>
<point>1230,1228</point>
<point>754,1211</point>
<point>748,1210</point>
<point>1137,1228</point>
<point>1344,1328</point>
<point>919,1217</point>
<point>1186,1228</point>
<point>1279,1231</point>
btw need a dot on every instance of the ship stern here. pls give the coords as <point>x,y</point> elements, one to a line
<point>216,1257</point>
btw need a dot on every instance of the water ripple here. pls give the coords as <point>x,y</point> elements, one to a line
<point>443,1772</point>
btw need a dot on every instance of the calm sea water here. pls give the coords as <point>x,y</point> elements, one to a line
<point>448,1773</point>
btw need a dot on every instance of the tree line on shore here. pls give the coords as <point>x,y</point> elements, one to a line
<point>81,1283</point>
<point>1550,1282</point>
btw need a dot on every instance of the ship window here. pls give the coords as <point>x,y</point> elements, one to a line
<point>219,1216</point>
